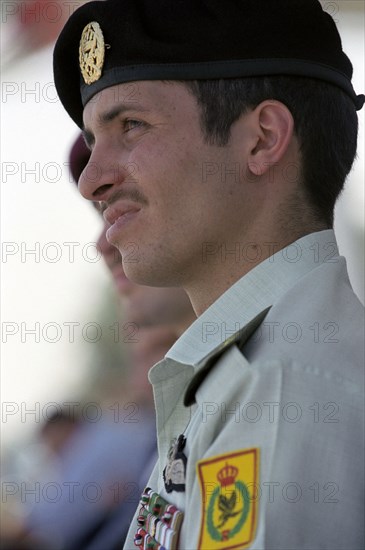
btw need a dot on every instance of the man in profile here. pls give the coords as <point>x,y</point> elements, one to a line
<point>223,134</point>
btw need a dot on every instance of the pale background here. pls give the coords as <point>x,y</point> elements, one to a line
<point>41,210</point>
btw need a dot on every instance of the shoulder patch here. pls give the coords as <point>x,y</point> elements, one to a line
<point>228,485</point>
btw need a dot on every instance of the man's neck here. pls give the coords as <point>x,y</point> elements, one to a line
<point>225,263</point>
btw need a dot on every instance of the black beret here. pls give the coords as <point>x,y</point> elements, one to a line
<point>129,40</point>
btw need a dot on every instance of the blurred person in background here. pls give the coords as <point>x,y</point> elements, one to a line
<point>32,463</point>
<point>102,467</point>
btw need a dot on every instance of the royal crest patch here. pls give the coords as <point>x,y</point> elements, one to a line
<point>228,486</point>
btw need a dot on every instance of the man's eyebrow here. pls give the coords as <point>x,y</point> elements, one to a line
<point>115,111</point>
<point>109,116</point>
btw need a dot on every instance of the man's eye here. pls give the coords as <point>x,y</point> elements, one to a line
<point>130,124</point>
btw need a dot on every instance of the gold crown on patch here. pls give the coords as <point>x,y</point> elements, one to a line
<point>227,475</point>
<point>91,52</point>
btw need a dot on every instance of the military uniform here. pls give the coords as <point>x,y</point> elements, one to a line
<point>258,404</point>
<point>274,431</point>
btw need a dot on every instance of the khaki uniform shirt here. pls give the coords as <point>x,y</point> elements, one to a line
<point>274,431</point>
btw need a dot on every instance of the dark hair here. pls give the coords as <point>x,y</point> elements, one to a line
<point>325,121</point>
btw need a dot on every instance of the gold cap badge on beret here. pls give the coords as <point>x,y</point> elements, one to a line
<point>91,52</point>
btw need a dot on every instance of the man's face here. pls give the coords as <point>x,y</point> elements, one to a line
<point>162,185</point>
<point>144,305</point>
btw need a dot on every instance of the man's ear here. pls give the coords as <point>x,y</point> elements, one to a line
<point>273,127</point>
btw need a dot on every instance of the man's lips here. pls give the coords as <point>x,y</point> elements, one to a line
<point>114,213</point>
<point>118,216</point>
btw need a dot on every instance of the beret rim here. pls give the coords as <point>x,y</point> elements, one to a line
<point>222,69</point>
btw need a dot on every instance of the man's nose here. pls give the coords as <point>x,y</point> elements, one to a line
<point>100,177</point>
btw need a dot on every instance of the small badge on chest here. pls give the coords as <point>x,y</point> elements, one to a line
<point>175,470</point>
